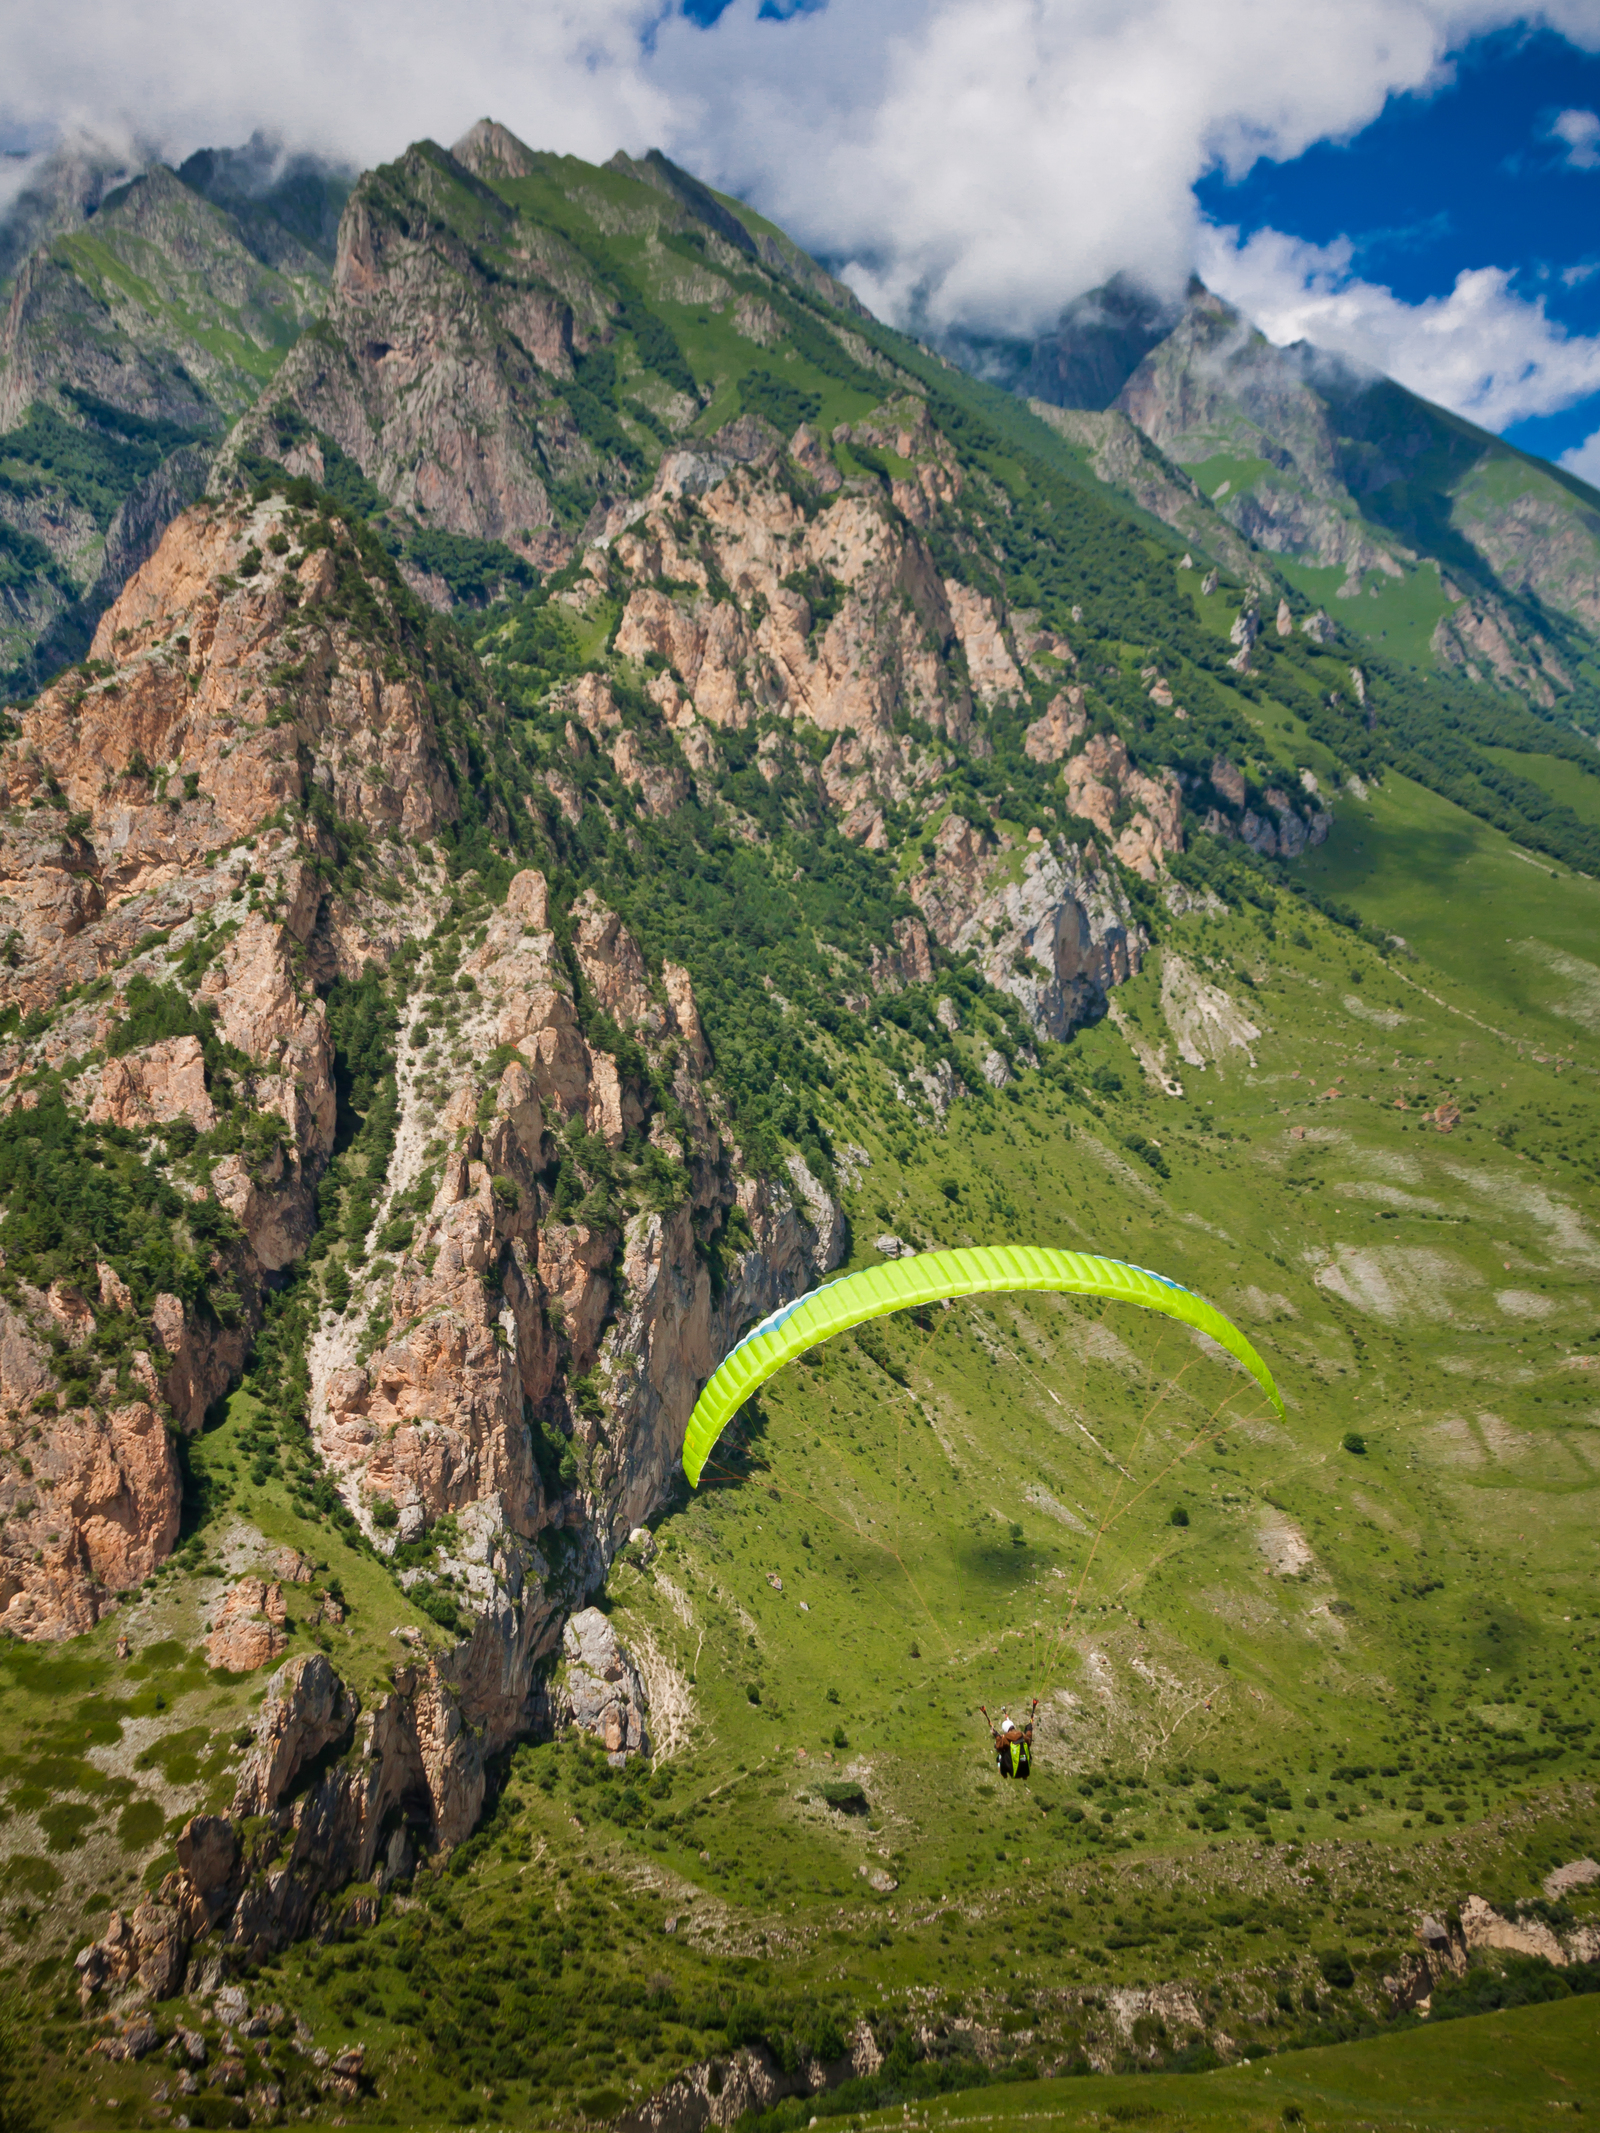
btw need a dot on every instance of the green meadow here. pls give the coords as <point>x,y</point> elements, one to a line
<point>1298,1681</point>
<point>1501,2071</point>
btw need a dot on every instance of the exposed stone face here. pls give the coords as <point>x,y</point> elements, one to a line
<point>904,960</point>
<point>159,323</point>
<point>983,639</point>
<point>603,1692</point>
<point>100,1511</point>
<point>1284,833</point>
<point>1228,780</point>
<point>849,674</point>
<point>720,2092</point>
<point>1051,737</point>
<point>184,747</point>
<point>192,713</point>
<point>1057,939</point>
<point>432,377</point>
<point>307,1707</point>
<point>611,963</point>
<point>497,1307</point>
<point>207,1849</point>
<point>661,786</point>
<point>1123,456</point>
<point>1217,385</point>
<point>1484,1927</point>
<point>1481,637</point>
<point>1534,541</point>
<point>163,1082</point>
<point>420,1750</point>
<point>199,1360</point>
<point>228,683</point>
<point>1102,779</point>
<point>145,1948</point>
<point>249,1628</point>
<point>1212,386</point>
<point>1206,1023</point>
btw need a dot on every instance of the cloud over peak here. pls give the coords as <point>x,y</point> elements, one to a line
<point>1484,350</point>
<point>969,164</point>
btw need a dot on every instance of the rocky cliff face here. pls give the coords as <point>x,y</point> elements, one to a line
<point>839,616</point>
<point>432,376</point>
<point>457,327</point>
<point>184,815</point>
<point>162,867</point>
<point>340,950</point>
<point>500,1304</point>
<point>1537,533</point>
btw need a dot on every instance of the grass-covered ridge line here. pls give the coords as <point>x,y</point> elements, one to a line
<point>1406,1716</point>
<point>1299,1684</point>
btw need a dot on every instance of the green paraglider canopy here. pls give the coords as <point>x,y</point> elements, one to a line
<point>931,1277</point>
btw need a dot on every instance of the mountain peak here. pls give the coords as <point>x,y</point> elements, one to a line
<point>493,152</point>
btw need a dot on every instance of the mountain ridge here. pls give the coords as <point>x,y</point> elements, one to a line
<point>634,788</point>
<point>1313,457</point>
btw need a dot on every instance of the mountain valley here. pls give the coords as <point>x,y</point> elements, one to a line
<point>563,784</point>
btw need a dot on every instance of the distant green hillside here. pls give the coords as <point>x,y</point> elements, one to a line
<point>129,345</point>
<point>1422,535</point>
<point>1044,864</point>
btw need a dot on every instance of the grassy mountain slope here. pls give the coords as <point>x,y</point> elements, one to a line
<point>130,343</point>
<point>1422,534</point>
<point>1409,1611</point>
<point>1510,2070</point>
<point>789,841</point>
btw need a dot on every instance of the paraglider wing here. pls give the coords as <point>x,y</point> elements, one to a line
<point>927,1278</point>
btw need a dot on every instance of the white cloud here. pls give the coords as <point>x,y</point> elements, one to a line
<point>1580,130</point>
<point>1483,350</point>
<point>1584,460</point>
<point>995,157</point>
<point>356,78</point>
<point>16,174</point>
<point>985,160</point>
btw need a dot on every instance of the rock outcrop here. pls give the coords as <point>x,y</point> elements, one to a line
<point>720,2091</point>
<point>603,1692</point>
<point>1057,939</point>
<point>248,1632</point>
<point>501,1301</point>
<point>168,849</point>
<point>97,1513</point>
<point>1481,638</point>
<point>304,1823</point>
<point>840,617</point>
<point>1102,784</point>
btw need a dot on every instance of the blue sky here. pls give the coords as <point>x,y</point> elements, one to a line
<point>1468,177</point>
<point>1411,182</point>
<point>1353,172</point>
